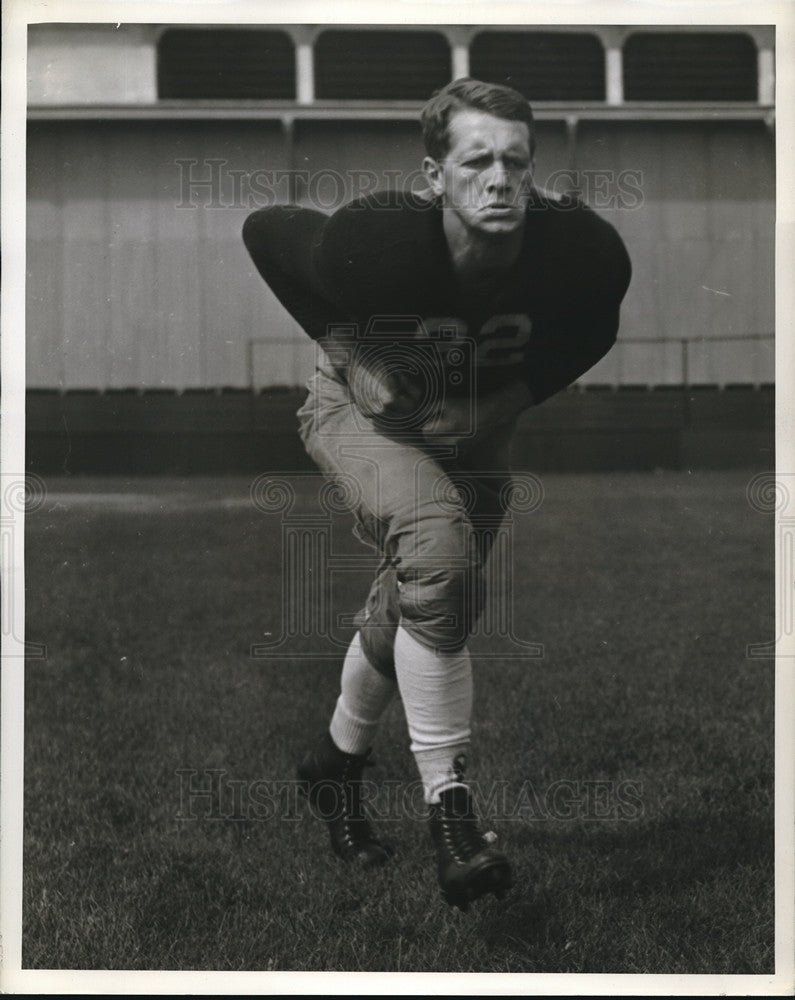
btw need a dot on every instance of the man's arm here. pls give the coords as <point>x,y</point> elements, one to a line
<point>564,350</point>
<point>280,242</point>
<point>586,273</point>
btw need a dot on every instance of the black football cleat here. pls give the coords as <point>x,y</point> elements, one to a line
<point>469,867</point>
<point>333,782</point>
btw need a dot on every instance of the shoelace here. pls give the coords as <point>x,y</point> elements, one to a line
<point>356,827</point>
<point>461,836</point>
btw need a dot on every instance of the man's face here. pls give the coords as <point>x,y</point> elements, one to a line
<point>485,177</point>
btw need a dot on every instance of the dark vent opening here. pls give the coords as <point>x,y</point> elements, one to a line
<point>690,67</point>
<point>226,64</point>
<point>543,66</point>
<point>380,65</point>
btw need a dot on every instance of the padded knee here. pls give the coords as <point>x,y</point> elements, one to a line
<point>377,624</point>
<point>439,583</point>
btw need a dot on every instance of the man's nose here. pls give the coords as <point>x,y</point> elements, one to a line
<point>499,177</point>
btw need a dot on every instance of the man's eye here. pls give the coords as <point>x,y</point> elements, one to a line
<point>478,162</point>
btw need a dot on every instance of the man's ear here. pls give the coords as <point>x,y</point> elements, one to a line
<point>433,171</point>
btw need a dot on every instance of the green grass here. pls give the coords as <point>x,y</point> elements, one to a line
<point>644,589</point>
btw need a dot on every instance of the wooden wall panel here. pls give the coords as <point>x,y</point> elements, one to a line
<point>129,284</point>
<point>44,265</point>
<point>139,280</point>
<point>701,241</point>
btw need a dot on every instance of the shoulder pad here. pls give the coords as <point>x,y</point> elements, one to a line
<point>584,257</point>
<point>376,251</point>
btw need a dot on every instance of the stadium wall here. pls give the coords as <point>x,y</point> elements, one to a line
<point>239,431</point>
<point>142,302</point>
<point>138,277</point>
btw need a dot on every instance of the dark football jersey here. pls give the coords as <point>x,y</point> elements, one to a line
<point>376,278</point>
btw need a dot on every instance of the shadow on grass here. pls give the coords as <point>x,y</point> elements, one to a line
<point>692,871</point>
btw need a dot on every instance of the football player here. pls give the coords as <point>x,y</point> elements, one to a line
<point>441,318</point>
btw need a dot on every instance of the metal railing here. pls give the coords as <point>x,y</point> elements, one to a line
<point>674,361</point>
<point>686,361</point>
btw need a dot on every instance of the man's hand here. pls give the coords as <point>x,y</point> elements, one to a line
<point>460,418</point>
<point>387,396</point>
<point>453,422</point>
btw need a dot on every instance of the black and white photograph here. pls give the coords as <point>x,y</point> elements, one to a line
<point>396,499</point>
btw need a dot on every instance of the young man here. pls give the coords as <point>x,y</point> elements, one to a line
<point>441,319</point>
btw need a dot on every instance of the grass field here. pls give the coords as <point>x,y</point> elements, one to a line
<point>628,772</point>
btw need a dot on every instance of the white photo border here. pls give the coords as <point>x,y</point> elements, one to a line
<point>17,14</point>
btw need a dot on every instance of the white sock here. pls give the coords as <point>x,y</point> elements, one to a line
<point>436,689</point>
<point>365,693</point>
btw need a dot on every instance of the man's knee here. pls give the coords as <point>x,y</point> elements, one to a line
<point>439,583</point>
